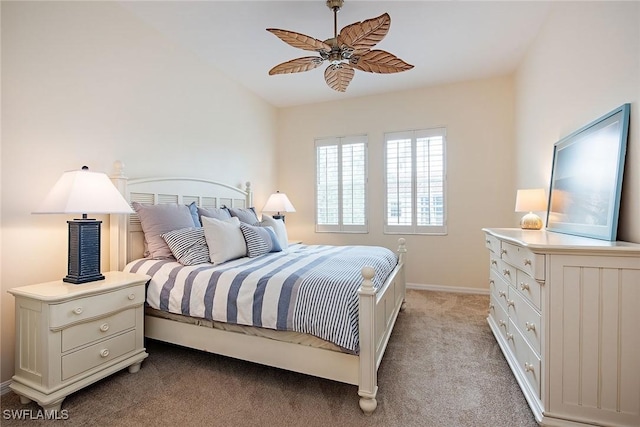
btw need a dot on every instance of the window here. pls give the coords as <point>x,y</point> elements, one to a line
<point>341,184</point>
<point>415,182</point>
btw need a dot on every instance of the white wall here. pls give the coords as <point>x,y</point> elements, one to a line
<point>479,119</point>
<point>584,63</point>
<point>86,83</point>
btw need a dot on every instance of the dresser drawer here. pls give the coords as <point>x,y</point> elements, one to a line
<point>507,272</point>
<point>492,243</point>
<point>90,307</point>
<point>526,318</point>
<point>530,289</point>
<point>98,329</point>
<point>524,259</point>
<point>494,261</point>
<point>500,289</point>
<point>499,316</point>
<point>95,355</point>
<point>528,362</point>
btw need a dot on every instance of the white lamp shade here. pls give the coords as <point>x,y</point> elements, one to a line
<point>531,200</point>
<point>278,202</point>
<point>84,192</point>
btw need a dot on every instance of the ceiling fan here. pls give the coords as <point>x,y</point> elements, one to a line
<point>346,51</point>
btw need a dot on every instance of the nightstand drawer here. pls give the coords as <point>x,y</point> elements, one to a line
<point>82,360</point>
<point>98,329</point>
<point>94,306</point>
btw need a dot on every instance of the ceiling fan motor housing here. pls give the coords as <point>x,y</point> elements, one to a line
<point>335,4</point>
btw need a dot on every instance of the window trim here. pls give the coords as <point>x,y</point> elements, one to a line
<point>413,135</point>
<point>341,227</point>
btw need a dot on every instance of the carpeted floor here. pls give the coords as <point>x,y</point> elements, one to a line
<point>442,368</point>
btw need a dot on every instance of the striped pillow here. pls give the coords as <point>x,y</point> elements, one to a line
<point>188,245</point>
<point>258,240</point>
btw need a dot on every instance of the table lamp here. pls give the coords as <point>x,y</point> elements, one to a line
<point>278,202</point>
<point>84,192</point>
<point>530,200</point>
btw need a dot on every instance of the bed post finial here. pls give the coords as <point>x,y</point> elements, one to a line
<point>247,190</point>
<point>118,223</point>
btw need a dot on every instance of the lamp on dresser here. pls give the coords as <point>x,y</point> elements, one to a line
<point>530,200</point>
<point>84,192</point>
<point>278,202</point>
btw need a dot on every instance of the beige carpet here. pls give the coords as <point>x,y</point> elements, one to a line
<point>442,368</point>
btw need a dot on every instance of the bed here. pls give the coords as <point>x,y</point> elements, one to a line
<point>379,297</point>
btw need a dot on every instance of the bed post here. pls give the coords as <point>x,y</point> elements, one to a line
<point>247,190</point>
<point>402,250</point>
<point>118,223</point>
<point>368,384</point>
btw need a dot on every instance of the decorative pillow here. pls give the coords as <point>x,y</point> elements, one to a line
<point>217,213</point>
<point>159,219</point>
<point>246,215</point>
<point>274,238</point>
<point>224,238</point>
<point>258,240</point>
<point>193,209</point>
<point>188,245</point>
<point>278,227</point>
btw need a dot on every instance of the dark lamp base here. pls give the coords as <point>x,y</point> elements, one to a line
<point>84,251</point>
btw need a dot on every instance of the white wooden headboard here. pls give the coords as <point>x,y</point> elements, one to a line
<point>126,236</point>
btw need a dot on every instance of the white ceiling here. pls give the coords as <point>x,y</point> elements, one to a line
<point>446,41</point>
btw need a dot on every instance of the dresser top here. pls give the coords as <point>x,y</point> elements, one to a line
<point>551,241</point>
<point>58,291</point>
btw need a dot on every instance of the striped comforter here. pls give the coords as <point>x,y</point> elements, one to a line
<point>308,289</point>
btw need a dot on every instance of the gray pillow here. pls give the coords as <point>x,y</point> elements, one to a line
<point>217,213</point>
<point>159,219</point>
<point>246,215</point>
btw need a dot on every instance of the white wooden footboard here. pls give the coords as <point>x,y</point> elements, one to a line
<point>378,313</point>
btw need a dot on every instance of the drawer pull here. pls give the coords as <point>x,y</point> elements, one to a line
<point>492,282</point>
<point>506,272</point>
<point>527,261</point>
<point>494,262</point>
<point>502,323</point>
<point>104,327</point>
<point>524,286</point>
<point>509,336</point>
<point>511,303</point>
<point>530,326</point>
<point>131,297</point>
<point>492,307</point>
<point>503,252</point>
<point>502,294</point>
<point>488,241</point>
<point>78,310</point>
<point>528,367</point>
<point>104,353</point>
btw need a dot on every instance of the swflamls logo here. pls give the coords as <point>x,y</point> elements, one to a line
<point>30,414</point>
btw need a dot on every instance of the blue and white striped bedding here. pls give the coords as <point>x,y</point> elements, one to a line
<point>308,289</point>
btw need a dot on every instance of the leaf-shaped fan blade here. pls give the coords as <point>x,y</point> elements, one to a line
<point>379,61</point>
<point>338,76</point>
<point>362,36</point>
<point>300,41</point>
<point>297,65</point>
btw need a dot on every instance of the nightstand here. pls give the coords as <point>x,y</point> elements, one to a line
<point>69,336</point>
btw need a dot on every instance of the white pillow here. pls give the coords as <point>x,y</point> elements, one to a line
<point>278,227</point>
<point>224,238</point>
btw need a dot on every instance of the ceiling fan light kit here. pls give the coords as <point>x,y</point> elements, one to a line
<point>347,51</point>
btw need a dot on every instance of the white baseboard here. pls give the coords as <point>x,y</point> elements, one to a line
<point>4,387</point>
<point>441,288</point>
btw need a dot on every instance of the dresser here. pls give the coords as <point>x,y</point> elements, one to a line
<point>69,336</point>
<point>565,311</point>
